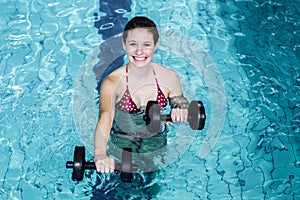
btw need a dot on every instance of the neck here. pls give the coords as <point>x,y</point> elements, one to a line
<point>141,72</point>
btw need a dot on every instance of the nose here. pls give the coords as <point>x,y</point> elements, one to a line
<point>139,50</point>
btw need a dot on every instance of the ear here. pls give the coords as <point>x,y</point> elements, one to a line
<point>156,46</point>
<point>124,46</point>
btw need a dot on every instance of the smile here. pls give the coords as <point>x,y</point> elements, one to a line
<point>139,58</point>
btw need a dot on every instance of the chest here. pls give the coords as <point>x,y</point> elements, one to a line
<point>143,92</point>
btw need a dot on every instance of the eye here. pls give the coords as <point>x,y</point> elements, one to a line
<point>132,44</point>
<point>147,45</point>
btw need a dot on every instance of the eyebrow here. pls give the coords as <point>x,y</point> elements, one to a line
<point>147,41</point>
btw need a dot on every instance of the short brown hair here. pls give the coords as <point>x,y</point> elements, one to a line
<point>141,22</point>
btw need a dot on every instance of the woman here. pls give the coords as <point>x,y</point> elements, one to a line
<point>125,92</point>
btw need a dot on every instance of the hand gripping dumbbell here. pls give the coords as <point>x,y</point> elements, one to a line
<point>153,117</point>
<point>79,165</point>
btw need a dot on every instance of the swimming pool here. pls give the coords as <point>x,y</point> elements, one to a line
<point>250,89</point>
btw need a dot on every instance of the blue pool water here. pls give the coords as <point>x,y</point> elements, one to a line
<point>240,57</point>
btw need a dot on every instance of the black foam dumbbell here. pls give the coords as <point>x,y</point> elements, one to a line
<point>79,165</point>
<point>153,117</point>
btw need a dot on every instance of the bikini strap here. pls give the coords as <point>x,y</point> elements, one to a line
<point>127,76</point>
<point>155,78</point>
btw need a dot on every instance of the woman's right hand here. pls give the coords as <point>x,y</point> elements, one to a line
<point>104,163</point>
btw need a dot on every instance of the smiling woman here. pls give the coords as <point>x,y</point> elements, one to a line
<point>123,101</point>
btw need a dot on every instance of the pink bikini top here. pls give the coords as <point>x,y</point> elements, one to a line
<point>126,104</point>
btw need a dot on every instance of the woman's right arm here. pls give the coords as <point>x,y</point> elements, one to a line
<point>104,163</point>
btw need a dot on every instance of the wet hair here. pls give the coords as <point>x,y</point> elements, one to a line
<point>141,22</point>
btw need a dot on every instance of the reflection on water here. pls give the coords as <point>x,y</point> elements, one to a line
<point>255,49</point>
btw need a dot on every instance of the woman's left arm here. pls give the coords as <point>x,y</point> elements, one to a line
<point>179,104</point>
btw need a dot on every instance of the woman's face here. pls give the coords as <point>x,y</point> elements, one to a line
<point>139,46</point>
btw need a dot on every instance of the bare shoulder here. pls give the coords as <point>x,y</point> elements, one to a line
<point>168,80</point>
<point>113,78</point>
<point>165,73</point>
<point>112,84</point>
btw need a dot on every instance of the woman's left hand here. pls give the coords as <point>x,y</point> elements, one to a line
<point>179,115</point>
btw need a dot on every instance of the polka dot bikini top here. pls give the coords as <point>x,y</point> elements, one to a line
<point>126,104</point>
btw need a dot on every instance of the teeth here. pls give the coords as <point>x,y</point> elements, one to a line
<point>139,58</point>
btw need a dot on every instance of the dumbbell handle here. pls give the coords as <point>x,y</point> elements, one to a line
<point>164,118</point>
<point>92,166</point>
<point>87,165</point>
